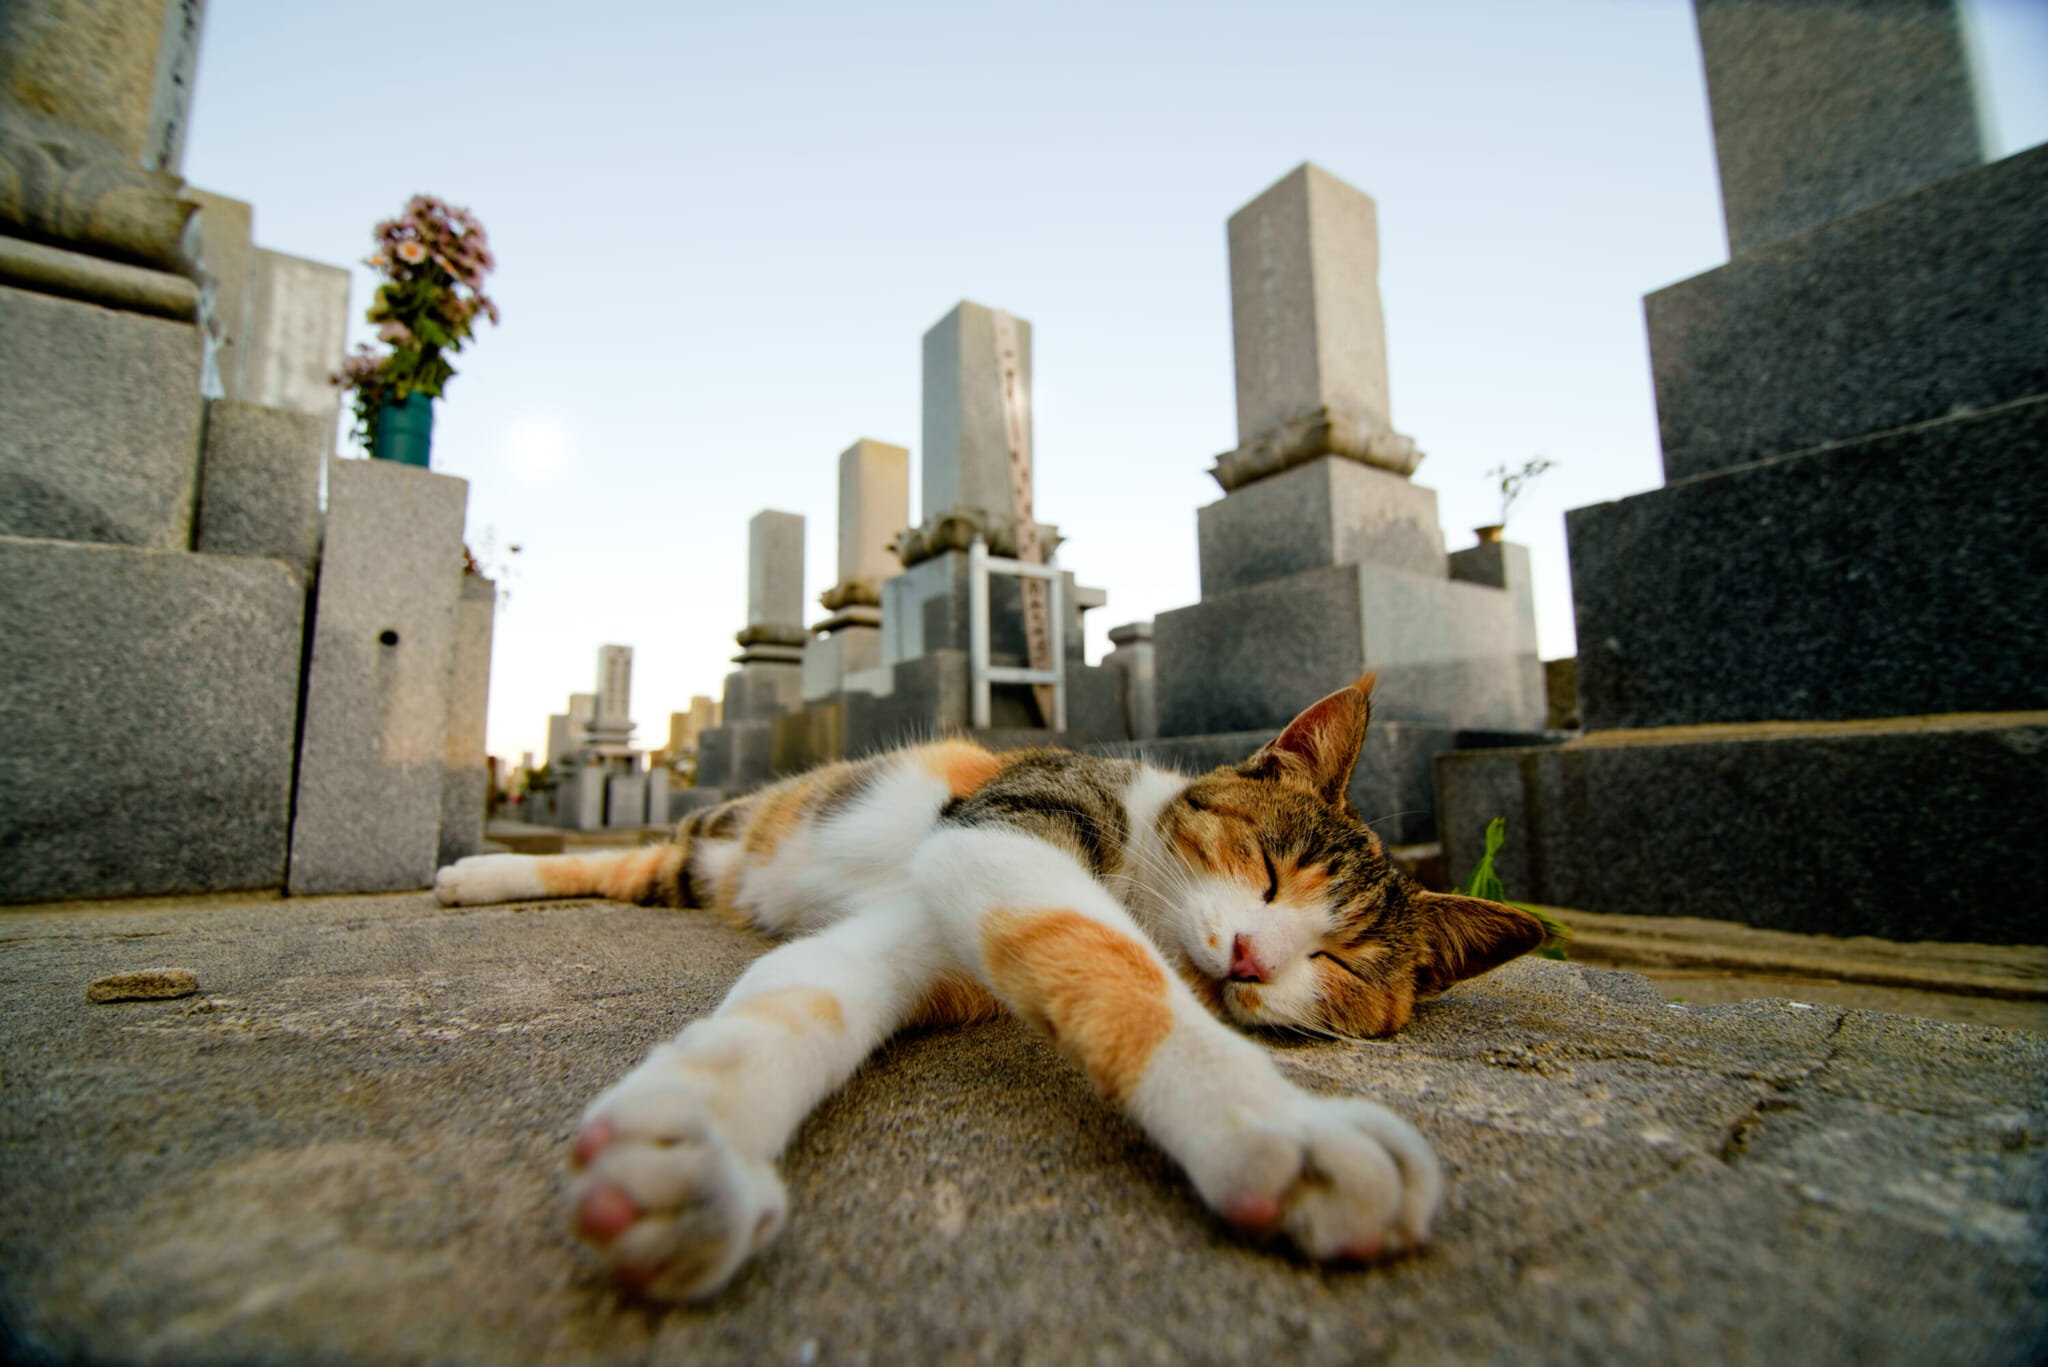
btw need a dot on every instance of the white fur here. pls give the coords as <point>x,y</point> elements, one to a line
<point>884,902</point>
<point>483,878</point>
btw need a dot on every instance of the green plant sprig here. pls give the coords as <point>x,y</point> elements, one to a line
<point>1485,883</point>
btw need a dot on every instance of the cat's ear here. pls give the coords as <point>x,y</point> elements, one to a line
<point>1463,937</point>
<point>1325,739</point>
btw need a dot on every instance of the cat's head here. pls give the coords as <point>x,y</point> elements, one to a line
<point>1287,911</point>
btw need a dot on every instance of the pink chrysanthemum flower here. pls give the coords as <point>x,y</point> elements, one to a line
<point>412,253</point>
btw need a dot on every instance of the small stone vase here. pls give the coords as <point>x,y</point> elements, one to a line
<point>1490,532</point>
<point>405,430</point>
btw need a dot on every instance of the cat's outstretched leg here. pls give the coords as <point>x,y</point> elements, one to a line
<point>675,1180</point>
<point>1341,1177</point>
<point>646,874</point>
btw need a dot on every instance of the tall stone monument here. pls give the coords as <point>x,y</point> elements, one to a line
<point>1322,560</point>
<point>1812,666</point>
<point>977,482</point>
<point>737,754</point>
<point>874,509</point>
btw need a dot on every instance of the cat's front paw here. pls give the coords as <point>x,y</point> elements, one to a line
<point>484,878</point>
<point>1341,1177</point>
<point>667,1202</point>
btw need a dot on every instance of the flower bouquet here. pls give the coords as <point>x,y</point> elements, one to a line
<point>434,258</point>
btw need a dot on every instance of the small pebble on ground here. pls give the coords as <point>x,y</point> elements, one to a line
<point>151,984</point>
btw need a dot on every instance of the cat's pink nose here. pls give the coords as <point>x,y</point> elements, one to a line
<point>1244,964</point>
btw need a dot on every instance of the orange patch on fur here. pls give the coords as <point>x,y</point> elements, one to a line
<point>794,1008</point>
<point>965,766</point>
<point>955,1000</point>
<point>1098,992</point>
<point>624,877</point>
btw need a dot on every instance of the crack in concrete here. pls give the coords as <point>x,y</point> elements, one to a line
<point>1779,1098</point>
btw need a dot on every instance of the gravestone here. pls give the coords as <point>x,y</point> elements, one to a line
<point>1307,331</point>
<point>977,482</point>
<point>1823,109</point>
<point>367,816</point>
<point>874,508</point>
<point>737,754</point>
<point>1322,560</point>
<point>609,729</point>
<point>1811,665</point>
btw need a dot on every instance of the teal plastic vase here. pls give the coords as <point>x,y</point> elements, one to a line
<point>405,430</point>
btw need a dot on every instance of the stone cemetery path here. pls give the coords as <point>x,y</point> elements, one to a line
<point>345,1148</point>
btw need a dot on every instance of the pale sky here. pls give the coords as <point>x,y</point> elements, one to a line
<point>722,233</point>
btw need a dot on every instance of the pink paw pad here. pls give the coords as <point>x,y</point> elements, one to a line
<point>1256,1213</point>
<point>605,1212</point>
<point>591,1141</point>
<point>1363,1250</point>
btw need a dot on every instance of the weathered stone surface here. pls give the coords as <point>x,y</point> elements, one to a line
<point>966,446</point>
<point>1897,575</point>
<point>363,1164</point>
<point>44,269</point>
<point>806,738</point>
<point>259,483</point>
<point>1446,652</point>
<point>1136,661</point>
<point>99,423</point>
<point>1329,512</point>
<point>580,796</point>
<point>874,505</point>
<point>465,769</point>
<point>91,75</point>
<point>147,702</point>
<point>625,800</point>
<point>368,814</point>
<point>1306,328</point>
<point>298,328</point>
<point>1923,307</point>
<point>1820,110</point>
<point>927,697</point>
<point>762,691</point>
<point>828,659</point>
<point>775,572</point>
<point>1924,828</point>
<point>226,247</point>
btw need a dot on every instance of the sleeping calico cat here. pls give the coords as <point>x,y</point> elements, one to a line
<point>1127,912</point>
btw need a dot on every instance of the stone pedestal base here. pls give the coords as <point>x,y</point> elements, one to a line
<point>1449,653</point>
<point>1920,828</point>
<point>828,659</point>
<point>762,690</point>
<point>1331,511</point>
<point>148,706</point>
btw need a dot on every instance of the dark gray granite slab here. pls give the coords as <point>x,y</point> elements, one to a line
<point>1900,575</point>
<point>1925,306</point>
<point>1920,830</point>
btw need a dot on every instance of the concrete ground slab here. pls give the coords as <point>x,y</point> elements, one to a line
<point>346,1149</point>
